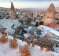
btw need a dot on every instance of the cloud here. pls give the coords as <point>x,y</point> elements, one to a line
<point>27,4</point>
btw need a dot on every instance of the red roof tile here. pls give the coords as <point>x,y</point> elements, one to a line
<point>52,25</point>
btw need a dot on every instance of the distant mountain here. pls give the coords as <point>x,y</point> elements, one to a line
<point>2,8</point>
<point>33,8</point>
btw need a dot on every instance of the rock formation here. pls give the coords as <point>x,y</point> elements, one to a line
<point>12,12</point>
<point>49,16</point>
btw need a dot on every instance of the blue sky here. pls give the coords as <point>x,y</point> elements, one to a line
<point>29,3</point>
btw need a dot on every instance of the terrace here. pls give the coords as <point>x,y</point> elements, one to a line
<point>22,48</point>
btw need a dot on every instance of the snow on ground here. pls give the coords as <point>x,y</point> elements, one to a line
<point>56,49</point>
<point>27,35</point>
<point>7,23</point>
<point>35,51</point>
<point>6,51</point>
<point>34,23</point>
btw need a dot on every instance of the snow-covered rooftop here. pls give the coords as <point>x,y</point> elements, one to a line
<point>54,32</point>
<point>1,26</point>
<point>7,23</point>
<point>45,28</point>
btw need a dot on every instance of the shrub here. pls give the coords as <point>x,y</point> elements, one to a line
<point>41,23</point>
<point>13,43</point>
<point>21,21</point>
<point>18,29</point>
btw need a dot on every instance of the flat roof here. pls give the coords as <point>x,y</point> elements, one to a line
<point>49,29</point>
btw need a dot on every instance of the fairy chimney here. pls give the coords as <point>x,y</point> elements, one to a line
<point>12,12</point>
<point>50,13</point>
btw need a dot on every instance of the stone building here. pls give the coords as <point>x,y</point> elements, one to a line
<point>12,12</point>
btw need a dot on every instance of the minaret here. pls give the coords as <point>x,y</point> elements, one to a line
<point>12,12</point>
